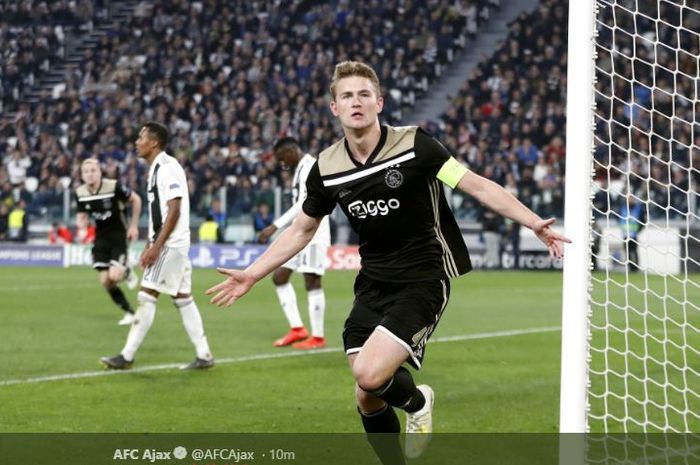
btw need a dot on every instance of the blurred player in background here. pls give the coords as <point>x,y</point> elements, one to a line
<point>310,261</point>
<point>105,200</point>
<point>387,182</point>
<point>166,263</point>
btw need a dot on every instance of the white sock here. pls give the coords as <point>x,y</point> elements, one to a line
<point>317,309</point>
<point>288,301</point>
<point>145,314</point>
<point>192,321</point>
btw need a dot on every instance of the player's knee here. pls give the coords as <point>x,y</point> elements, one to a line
<point>106,281</point>
<point>146,295</point>
<point>312,282</point>
<point>182,300</point>
<point>366,401</point>
<point>279,278</point>
<point>367,378</point>
<point>115,274</point>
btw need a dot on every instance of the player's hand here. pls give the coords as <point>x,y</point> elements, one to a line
<point>234,286</point>
<point>266,233</point>
<point>149,256</point>
<point>132,233</point>
<point>553,240</point>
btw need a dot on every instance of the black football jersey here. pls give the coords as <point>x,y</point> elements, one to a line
<point>395,203</point>
<point>107,207</point>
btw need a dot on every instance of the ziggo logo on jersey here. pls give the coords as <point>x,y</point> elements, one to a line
<point>361,210</point>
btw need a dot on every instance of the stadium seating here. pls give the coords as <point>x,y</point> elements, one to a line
<point>228,94</point>
<point>507,122</point>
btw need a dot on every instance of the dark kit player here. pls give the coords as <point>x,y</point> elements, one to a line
<point>105,200</point>
<point>388,181</point>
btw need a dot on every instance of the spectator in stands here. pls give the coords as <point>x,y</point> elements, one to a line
<point>209,231</point>
<point>217,213</point>
<point>527,153</point>
<point>242,97</point>
<point>85,233</point>
<point>513,227</point>
<point>633,218</point>
<point>17,164</point>
<point>7,198</point>
<point>60,234</point>
<point>4,221</point>
<point>263,217</point>
<point>18,223</point>
<point>492,230</point>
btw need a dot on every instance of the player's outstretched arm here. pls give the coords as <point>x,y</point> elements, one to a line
<point>288,244</point>
<point>503,202</point>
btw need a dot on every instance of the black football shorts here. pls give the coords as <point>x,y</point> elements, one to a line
<point>408,312</point>
<point>109,252</point>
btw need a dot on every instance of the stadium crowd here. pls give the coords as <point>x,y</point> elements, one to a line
<point>262,70</point>
<point>259,72</point>
<point>508,121</point>
<point>32,38</point>
<point>654,134</point>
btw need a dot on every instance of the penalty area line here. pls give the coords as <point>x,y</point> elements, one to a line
<point>267,356</point>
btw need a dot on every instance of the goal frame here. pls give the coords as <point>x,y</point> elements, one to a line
<point>577,217</point>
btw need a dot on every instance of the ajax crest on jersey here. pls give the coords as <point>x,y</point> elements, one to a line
<point>393,178</point>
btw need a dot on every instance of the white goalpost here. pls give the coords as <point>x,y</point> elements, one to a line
<point>631,293</point>
<point>579,147</point>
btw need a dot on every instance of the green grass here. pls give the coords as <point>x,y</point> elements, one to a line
<point>59,322</point>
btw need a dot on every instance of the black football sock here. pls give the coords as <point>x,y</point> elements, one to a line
<point>382,428</point>
<point>400,391</point>
<point>120,299</point>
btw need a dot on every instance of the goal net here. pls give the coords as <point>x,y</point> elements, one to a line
<point>642,361</point>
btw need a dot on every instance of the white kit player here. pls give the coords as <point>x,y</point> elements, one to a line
<point>166,263</point>
<point>310,261</point>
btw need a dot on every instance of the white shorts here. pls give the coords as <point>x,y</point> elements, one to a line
<point>310,260</point>
<point>171,273</point>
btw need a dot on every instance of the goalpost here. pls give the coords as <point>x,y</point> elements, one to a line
<point>631,327</point>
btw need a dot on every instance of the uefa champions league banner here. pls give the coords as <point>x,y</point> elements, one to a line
<point>30,255</point>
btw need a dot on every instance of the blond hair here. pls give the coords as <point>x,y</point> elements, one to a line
<point>91,160</point>
<point>354,68</point>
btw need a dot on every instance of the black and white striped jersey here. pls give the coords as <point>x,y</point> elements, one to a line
<point>395,203</point>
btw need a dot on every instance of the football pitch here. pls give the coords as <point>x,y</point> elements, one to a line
<point>493,361</point>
